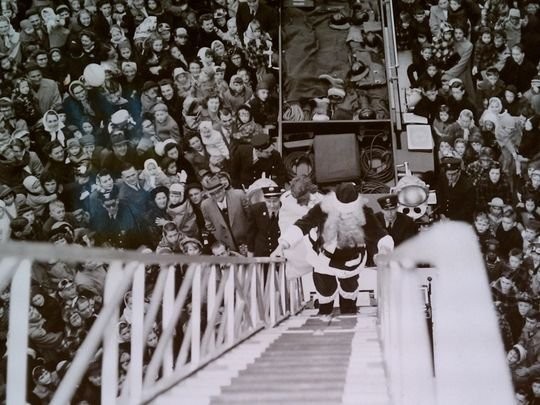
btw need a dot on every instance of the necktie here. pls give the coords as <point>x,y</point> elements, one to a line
<point>252,11</point>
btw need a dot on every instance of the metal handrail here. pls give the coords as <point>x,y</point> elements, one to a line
<point>391,54</point>
<point>469,355</point>
<point>240,300</point>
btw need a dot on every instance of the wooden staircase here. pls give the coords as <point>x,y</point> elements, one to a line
<point>305,360</point>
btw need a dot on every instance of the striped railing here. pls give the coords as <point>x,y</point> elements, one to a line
<point>217,303</point>
<point>469,361</point>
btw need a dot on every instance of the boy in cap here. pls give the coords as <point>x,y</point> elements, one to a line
<point>263,107</point>
<point>341,230</point>
<point>455,192</point>
<point>398,225</point>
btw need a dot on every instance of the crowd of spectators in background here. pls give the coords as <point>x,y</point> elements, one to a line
<point>475,77</point>
<point>129,125</point>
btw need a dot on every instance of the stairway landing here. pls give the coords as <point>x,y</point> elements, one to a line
<point>304,360</point>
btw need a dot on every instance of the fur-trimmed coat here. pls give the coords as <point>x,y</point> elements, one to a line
<point>314,222</point>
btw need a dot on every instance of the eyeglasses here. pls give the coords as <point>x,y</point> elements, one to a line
<point>64,283</point>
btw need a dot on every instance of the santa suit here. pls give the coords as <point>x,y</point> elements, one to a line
<point>336,269</point>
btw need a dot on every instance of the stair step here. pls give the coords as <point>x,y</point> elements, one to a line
<point>255,397</point>
<point>300,386</point>
<point>246,377</point>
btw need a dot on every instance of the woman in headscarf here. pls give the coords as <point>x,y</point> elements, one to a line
<point>493,112</point>
<point>78,106</point>
<point>10,41</point>
<point>53,126</point>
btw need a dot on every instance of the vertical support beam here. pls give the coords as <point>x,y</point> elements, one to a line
<point>229,305</point>
<point>283,289</point>
<point>109,364</point>
<point>138,337</point>
<point>211,303</point>
<point>293,295</point>
<point>19,305</point>
<point>254,303</point>
<point>196,317</point>
<point>271,290</point>
<point>168,305</point>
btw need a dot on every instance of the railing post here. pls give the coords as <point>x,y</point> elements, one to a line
<point>272,287</point>
<point>138,337</point>
<point>229,305</point>
<point>293,291</point>
<point>109,362</point>
<point>18,334</point>
<point>211,302</point>
<point>168,305</point>
<point>253,296</point>
<point>283,288</point>
<point>196,316</point>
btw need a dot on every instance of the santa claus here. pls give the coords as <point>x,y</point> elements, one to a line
<point>341,231</point>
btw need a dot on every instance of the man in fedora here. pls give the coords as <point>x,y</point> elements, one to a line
<point>455,192</point>
<point>398,225</point>
<point>226,216</point>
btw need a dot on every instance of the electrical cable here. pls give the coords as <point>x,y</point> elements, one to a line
<point>375,177</point>
<point>293,159</point>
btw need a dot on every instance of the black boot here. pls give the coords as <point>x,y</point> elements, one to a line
<point>326,309</point>
<point>347,306</point>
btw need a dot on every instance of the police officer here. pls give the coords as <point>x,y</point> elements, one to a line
<point>455,192</point>
<point>265,218</point>
<point>398,225</point>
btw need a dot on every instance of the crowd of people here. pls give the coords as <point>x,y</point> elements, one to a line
<point>130,125</point>
<point>141,125</point>
<point>475,77</point>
